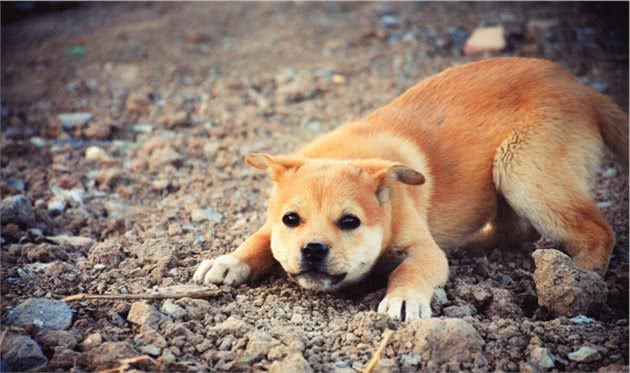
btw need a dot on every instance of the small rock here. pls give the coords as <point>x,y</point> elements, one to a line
<point>18,184</point>
<point>232,326</point>
<point>609,172</point>
<point>142,128</point>
<point>22,353</point>
<point>42,312</point>
<point>151,349</point>
<point>18,210</point>
<point>108,355</point>
<point>584,354</point>
<point>581,320</point>
<point>206,214</point>
<point>565,289</point>
<point>540,29</point>
<point>446,340</point>
<point>91,341</point>
<point>63,358</point>
<point>600,85</point>
<point>197,37</point>
<point>72,120</point>
<point>56,206</point>
<point>144,314</point>
<point>297,318</point>
<point>73,241</point>
<point>390,21</point>
<point>97,131</point>
<point>258,345</point>
<point>173,310</point>
<point>50,339</point>
<point>540,357</point>
<point>485,39</point>
<point>293,363</point>
<point>439,297</point>
<point>457,311</point>
<point>163,157</point>
<point>410,360</point>
<point>98,154</point>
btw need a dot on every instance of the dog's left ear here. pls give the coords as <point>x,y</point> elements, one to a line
<point>385,173</point>
<point>275,165</point>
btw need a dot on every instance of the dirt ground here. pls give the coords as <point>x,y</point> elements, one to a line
<point>176,95</point>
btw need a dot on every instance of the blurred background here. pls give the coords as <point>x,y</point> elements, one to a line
<point>123,128</point>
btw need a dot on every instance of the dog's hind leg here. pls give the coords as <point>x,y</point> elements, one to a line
<point>545,174</point>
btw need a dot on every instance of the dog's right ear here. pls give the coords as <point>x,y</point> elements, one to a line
<point>275,165</point>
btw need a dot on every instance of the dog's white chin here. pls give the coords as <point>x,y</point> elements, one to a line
<point>310,283</point>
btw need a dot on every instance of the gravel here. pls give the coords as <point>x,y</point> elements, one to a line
<point>213,89</point>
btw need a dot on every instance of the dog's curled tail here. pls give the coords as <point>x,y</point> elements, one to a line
<point>613,125</point>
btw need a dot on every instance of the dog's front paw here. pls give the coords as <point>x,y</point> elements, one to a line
<point>416,306</point>
<point>226,269</point>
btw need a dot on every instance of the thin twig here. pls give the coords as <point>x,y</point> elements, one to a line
<point>379,352</point>
<point>199,294</point>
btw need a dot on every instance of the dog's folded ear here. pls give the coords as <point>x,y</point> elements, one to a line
<point>385,172</point>
<point>275,165</point>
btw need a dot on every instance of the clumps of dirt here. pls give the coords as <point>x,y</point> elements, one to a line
<point>122,169</point>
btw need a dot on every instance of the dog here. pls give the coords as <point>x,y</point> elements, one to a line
<point>484,154</point>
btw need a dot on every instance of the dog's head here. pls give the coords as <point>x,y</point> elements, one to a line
<point>330,218</point>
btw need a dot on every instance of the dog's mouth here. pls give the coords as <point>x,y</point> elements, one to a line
<point>313,279</point>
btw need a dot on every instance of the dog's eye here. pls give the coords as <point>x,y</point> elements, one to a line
<point>291,219</point>
<point>348,222</point>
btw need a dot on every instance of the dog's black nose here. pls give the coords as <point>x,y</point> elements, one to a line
<point>314,252</point>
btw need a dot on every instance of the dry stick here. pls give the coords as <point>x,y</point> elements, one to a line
<point>379,352</point>
<point>200,294</point>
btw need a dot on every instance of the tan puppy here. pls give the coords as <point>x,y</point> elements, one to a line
<point>483,154</point>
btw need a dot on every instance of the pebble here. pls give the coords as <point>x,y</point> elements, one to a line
<point>173,310</point>
<point>582,320</point>
<point>584,354</point>
<point>42,312</point>
<point>457,311</point>
<point>565,289</point>
<point>390,21</point>
<point>72,120</point>
<point>17,209</point>
<point>96,153</point>
<point>410,360</point>
<point>91,341</point>
<point>231,326</point>
<point>144,314</point>
<point>439,297</point>
<point>445,340</point>
<point>18,184</point>
<point>73,241</point>
<point>21,353</point>
<point>50,339</point>
<point>56,206</point>
<point>294,363</point>
<point>540,357</point>
<point>485,39</point>
<point>609,172</point>
<point>151,349</point>
<point>142,128</point>
<point>206,214</point>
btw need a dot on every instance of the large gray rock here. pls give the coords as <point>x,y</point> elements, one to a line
<point>22,353</point>
<point>17,210</point>
<point>44,313</point>
<point>565,289</point>
<point>446,340</point>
